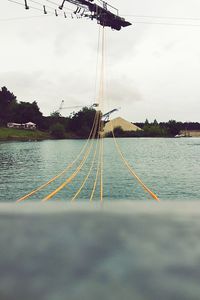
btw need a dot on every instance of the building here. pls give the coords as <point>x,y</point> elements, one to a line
<point>120,122</point>
<point>190,133</point>
<point>29,125</point>
<point>14,125</point>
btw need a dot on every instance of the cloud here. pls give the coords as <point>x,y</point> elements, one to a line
<point>148,67</point>
<point>123,92</point>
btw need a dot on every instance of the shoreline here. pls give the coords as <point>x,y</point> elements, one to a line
<point>19,135</point>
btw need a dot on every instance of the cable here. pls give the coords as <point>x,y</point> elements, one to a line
<point>167,24</point>
<point>51,195</point>
<point>88,175</point>
<point>38,9</point>
<point>100,160</point>
<point>68,180</point>
<point>19,3</point>
<point>131,169</point>
<point>90,170</point>
<point>99,128</point>
<point>96,177</point>
<point>103,95</point>
<point>101,170</point>
<point>38,3</point>
<point>163,17</point>
<point>23,18</point>
<point>97,63</point>
<point>92,134</point>
<point>56,4</point>
<point>63,172</point>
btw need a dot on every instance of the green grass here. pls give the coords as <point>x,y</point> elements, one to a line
<point>20,134</point>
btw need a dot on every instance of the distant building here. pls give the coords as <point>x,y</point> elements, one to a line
<point>120,122</point>
<point>29,125</point>
<point>190,133</point>
<point>14,125</point>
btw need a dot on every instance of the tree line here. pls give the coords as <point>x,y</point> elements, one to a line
<point>168,129</point>
<point>155,129</point>
<point>79,124</point>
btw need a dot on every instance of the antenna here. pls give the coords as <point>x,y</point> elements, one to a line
<point>56,13</point>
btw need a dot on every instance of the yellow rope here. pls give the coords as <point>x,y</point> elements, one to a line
<point>100,159</point>
<point>88,175</point>
<point>64,171</point>
<point>97,175</point>
<point>131,169</point>
<point>87,154</point>
<point>52,194</point>
<point>101,95</point>
<point>101,175</point>
<point>101,92</point>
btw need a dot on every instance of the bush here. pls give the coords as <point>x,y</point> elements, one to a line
<point>57,131</point>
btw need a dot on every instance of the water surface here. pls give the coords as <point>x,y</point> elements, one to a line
<point>170,167</point>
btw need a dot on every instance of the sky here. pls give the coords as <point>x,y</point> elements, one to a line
<point>152,70</point>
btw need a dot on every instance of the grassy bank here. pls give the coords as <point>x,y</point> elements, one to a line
<point>7,134</point>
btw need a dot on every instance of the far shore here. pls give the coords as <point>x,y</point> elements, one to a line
<point>10,134</point>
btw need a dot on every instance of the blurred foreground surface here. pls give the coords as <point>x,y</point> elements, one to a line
<point>123,250</point>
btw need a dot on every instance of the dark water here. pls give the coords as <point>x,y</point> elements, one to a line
<point>170,167</point>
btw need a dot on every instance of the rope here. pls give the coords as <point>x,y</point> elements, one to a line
<point>97,63</point>
<point>131,169</point>
<point>99,171</point>
<point>63,172</point>
<point>51,195</point>
<point>96,177</point>
<point>90,170</point>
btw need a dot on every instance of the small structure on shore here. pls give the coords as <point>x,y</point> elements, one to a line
<point>29,125</point>
<point>190,133</point>
<point>14,125</point>
<point>120,122</point>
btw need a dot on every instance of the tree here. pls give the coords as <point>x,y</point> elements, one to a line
<point>174,127</point>
<point>27,112</point>
<point>81,122</point>
<point>58,131</point>
<point>7,104</point>
<point>55,114</point>
<point>155,122</point>
<point>118,131</point>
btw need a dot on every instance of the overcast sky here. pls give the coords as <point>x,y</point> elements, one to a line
<point>153,71</point>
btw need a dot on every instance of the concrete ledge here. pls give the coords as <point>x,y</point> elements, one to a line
<point>121,250</point>
<point>122,207</point>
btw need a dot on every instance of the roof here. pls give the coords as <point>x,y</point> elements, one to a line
<point>120,122</point>
<point>30,123</point>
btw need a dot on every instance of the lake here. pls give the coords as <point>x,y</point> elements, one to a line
<point>169,167</point>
